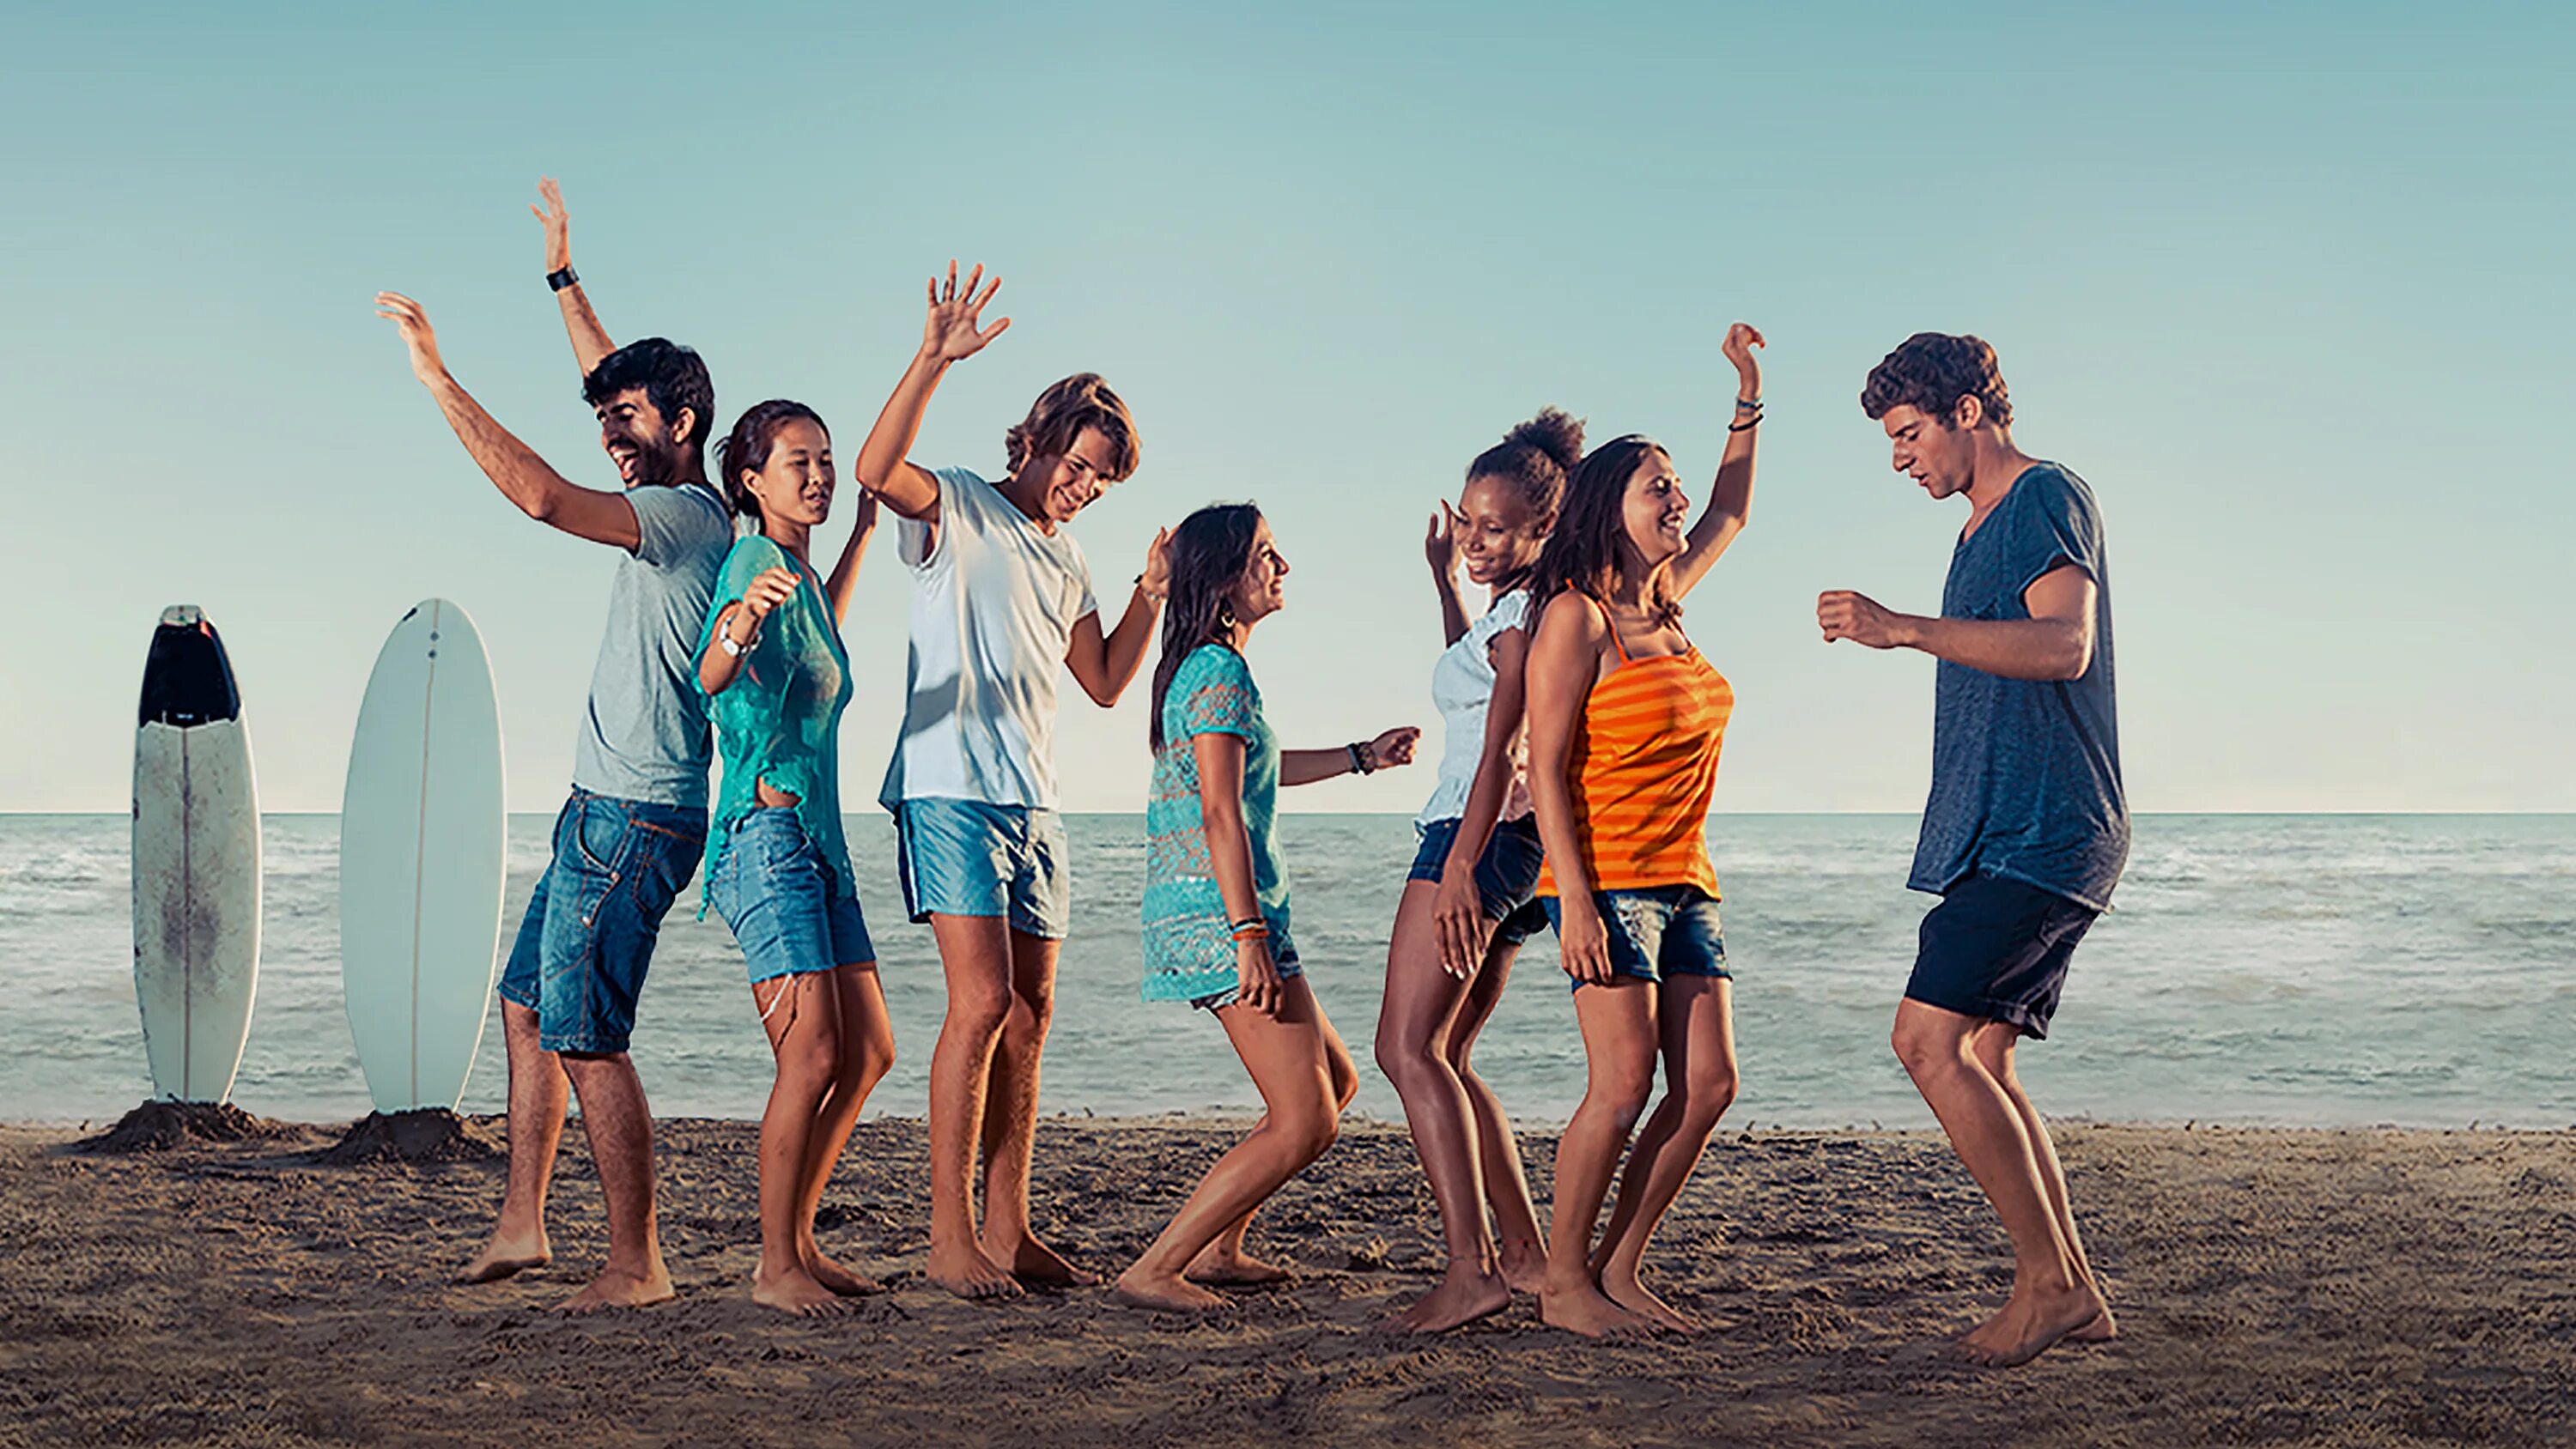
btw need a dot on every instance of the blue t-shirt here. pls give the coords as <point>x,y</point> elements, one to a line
<point>1189,943</point>
<point>645,734</point>
<point>2026,773</point>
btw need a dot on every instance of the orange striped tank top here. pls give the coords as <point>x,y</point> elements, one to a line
<point>1644,765</point>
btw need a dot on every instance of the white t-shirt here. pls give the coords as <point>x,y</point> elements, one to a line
<point>1462,685</point>
<point>994,602</point>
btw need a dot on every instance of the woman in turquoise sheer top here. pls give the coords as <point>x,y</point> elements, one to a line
<point>776,678</point>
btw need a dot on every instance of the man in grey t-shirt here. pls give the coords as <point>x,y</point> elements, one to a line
<point>629,838</point>
<point>2027,826</point>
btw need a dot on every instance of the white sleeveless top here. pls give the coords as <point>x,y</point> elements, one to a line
<point>1462,684</point>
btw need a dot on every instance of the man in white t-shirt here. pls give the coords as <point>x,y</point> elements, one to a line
<point>1001,598</point>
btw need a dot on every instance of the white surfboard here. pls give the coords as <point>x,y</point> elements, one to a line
<point>196,863</point>
<point>421,834</point>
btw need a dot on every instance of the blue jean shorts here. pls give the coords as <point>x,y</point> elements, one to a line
<point>1506,873</point>
<point>789,908</point>
<point>587,939</point>
<point>1283,955</point>
<point>968,858</point>
<point>1658,932</point>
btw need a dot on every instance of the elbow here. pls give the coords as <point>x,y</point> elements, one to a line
<point>540,506</point>
<point>2075,660</point>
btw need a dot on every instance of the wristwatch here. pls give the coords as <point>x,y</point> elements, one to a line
<point>562,279</point>
<point>724,640</point>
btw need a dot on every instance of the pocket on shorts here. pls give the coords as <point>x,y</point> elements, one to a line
<point>600,834</point>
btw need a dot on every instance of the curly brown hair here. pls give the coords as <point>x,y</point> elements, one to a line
<point>1059,416</point>
<point>1930,372</point>
<point>1535,458</point>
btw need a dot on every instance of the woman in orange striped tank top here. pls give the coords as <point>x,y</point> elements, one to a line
<point>1625,719</point>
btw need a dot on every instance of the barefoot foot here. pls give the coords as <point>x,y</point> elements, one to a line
<point>1033,1262</point>
<point>1524,1264</point>
<point>1141,1289</point>
<point>1459,1298</point>
<point>2100,1330</point>
<point>506,1254</point>
<point>796,1291</point>
<point>1625,1290</point>
<point>848,1282</point>
<point>1587,1311</point>
<point>968,1273</point>
<point>2029,1325</point>
<point>1235,1269</point>
<point>616,1288</point>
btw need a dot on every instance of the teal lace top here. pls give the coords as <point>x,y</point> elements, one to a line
<point>1189,943</point>
<point>780,719</point>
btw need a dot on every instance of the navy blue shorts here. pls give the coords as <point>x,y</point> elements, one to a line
<point>1506,873</point>
<point>1997,950</point>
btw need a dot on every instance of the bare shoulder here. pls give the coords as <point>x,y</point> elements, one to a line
<point>1572,618</point>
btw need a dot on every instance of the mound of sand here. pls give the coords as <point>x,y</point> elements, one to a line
<point>423,1134</point>
<point>158,1126</point>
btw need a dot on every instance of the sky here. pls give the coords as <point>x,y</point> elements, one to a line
<point>2287,284</point>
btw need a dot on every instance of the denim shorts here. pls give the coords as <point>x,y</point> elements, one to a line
<point>1506,873</point>
<point>1283,956</point>
<point>968,858</point>
<point>587,940</point>
<point>1657,932</point>
<point>788,907</point>
<point>1997,950</point>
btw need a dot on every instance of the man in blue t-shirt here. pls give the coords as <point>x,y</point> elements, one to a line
<point>629,838</point>
<point>2027,826</point>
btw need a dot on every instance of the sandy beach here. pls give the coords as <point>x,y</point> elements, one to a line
<point>2274,1287</point>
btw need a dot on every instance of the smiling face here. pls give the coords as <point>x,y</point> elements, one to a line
<point>1654,510</point>
<point>795,484</point>
<point>638,439</point>
<point>1499,534</point>
<point>1073,480</point>
<point>1260,591</point>
<point>1941,459</point>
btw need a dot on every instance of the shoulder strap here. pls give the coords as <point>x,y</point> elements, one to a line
<point>1612,625</point>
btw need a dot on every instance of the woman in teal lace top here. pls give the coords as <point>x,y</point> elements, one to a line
<point>777,679</point>
<point>1216,903</point>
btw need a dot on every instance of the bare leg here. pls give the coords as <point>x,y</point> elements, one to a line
<point>867,1053</point>
<point>1696,1022</point>
<point>975,953</point>
<point>1011,1121</point>
<point>1519,1245</point>
<point>1993,1044</point>
<point>802,1014</point>
<point>1618,1022</point>
<point>539,1093</point>
<point>1290,1057</point>
<point>619,1123</point>
<point>2052,1296</point>
<point>1413,1028</point>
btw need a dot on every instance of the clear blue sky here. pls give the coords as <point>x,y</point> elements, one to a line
<point>2289,285</point>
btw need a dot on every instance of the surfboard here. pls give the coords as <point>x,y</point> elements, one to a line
<point>421,835</point>
<point>196,863</point>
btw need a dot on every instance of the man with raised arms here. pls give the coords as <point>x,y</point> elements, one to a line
<point>2027,827</point>
<point>1001,602</point>
<point>630,835</point>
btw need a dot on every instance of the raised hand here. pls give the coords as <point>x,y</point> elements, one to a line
<point>557,222</point>
<point>1440,544</point>
<point>1157,580</point>
<point>1740,341</point>
<point>1395,747</point>
<point>413,323</point>
<point>953,331</point>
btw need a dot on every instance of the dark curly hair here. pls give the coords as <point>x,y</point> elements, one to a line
<point>673,377</point>
<point>1584,553</point>
<point>746,448</point>
<point>1930,372</point>
<point>1535,458</point>
<point>1209,552</point>
<point>1060,414</point>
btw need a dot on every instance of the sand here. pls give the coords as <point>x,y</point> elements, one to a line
<point>2274,1287</point>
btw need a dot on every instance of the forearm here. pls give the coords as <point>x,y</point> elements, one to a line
<point>1552,800</point>
<point>844,581</point>
<point>1453,610</point>
<point>1230,857</point>
<point>1305,767</point>
<point>1126,646</point>
<point>2035,649</point>
<point>1484,807</point>
<point>718,667</point>
<point>889,442</point>
<point>514,467</point>
<point>590,341</point>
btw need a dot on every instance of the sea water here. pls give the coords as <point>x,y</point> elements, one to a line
<point>2418,970</point>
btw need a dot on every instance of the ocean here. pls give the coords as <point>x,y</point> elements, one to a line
<point>2302,970</point>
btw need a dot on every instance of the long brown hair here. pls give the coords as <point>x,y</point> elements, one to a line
<point>1209,553</point>
<point>1585,552</point>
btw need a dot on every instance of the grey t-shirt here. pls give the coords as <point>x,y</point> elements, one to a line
<point>644,736</point>
<point>2026,773</point>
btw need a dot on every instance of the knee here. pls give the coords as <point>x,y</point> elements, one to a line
<point>1621,1094</point>
<point>866,1060</point>
<point>1705,1098</point>
<point>979,1014</point>
<point>1925,1054</point>
<point>1408,1065</point>
<point>1311,1132</point>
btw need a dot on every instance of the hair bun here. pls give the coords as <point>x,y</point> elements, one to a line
<point>1554,432</point>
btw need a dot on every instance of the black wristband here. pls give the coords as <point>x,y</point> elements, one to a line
<point>562,279</point>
